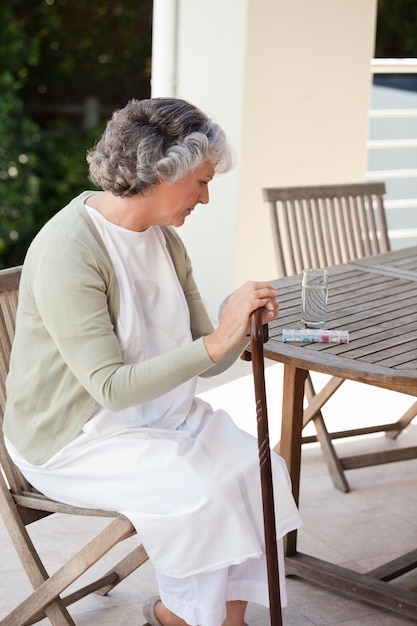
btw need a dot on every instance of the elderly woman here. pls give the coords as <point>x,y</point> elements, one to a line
<point>111,336</point>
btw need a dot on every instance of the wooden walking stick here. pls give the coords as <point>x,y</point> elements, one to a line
<point>259,335</point>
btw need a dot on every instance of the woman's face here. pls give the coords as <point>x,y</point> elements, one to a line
<point>176,201</point>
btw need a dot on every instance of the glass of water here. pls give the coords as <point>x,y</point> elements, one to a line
<point>314,298</point>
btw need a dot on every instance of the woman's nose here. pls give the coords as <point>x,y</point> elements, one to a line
<point>204,195</point>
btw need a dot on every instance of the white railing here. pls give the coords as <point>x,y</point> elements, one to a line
<point>395,66</point>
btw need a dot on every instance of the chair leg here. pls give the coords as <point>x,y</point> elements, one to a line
<point>323,437</point>
<point>126,566</point>
<point>46,594</point>
<point>404,421</point>
<point>329,455</point>
<point>316,401</point>
<point>35,570</point>
<point>313,413</point>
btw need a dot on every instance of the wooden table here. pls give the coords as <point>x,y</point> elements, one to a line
<point>375,299</point>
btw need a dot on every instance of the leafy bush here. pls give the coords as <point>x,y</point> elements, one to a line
<point>56,53</point>
<point>19,180</point>
<point>396,29</point>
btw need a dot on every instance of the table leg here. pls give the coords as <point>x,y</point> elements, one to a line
<point>291,428</point>
<point>373,587</point>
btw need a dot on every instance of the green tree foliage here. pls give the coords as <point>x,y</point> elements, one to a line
<point>19,182</point>
<point>54,55</point>
<point>98,48</point>
<point>396,35</point>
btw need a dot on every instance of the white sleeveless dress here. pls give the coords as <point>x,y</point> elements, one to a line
<point>185,475</point>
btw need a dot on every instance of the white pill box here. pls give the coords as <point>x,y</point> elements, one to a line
<point>308,335</point>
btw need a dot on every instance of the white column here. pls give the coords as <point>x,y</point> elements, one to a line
<point>211,68</point>
<point>164,48</point>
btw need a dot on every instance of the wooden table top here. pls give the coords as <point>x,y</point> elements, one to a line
<point>375,300</point>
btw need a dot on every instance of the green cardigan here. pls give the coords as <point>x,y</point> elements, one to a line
<point>66,358</point>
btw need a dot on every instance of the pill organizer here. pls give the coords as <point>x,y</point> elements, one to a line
<point>308,335</point>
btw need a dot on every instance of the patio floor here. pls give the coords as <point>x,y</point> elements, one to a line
<point>377,520</point>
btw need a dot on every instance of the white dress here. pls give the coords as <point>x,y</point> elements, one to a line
<point>185,475</point>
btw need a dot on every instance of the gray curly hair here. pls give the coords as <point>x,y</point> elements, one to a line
<point>154,139</point>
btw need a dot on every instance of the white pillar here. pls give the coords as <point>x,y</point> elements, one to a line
<point>164,48</point>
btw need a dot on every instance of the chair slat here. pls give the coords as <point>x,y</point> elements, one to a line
<point>313,231</point>
<point>357,229</point>
<point>299,236</point>
<point>382,221</point>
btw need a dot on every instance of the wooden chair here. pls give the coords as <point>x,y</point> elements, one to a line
<point>320,226</point>
<point>21,504</point>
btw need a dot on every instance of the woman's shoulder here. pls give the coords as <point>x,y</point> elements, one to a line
<point>68,239</point>
<point>70,227</point>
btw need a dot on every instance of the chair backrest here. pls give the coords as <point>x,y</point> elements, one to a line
<point>318,226</point>
<point>9,291</point>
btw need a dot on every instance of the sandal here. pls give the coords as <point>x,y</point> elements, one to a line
<point>149,611</point>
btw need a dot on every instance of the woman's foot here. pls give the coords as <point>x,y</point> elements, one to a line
<point>149,611</point>
<point>156,614</point>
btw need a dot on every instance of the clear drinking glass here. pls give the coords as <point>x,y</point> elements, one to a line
<point>314,298</point>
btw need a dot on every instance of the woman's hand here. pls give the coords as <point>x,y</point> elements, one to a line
<point>234,322</point>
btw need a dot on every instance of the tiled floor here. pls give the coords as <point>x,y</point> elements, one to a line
<point>377,519</point>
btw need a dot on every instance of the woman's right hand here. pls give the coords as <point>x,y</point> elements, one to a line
<point>234,323</point>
